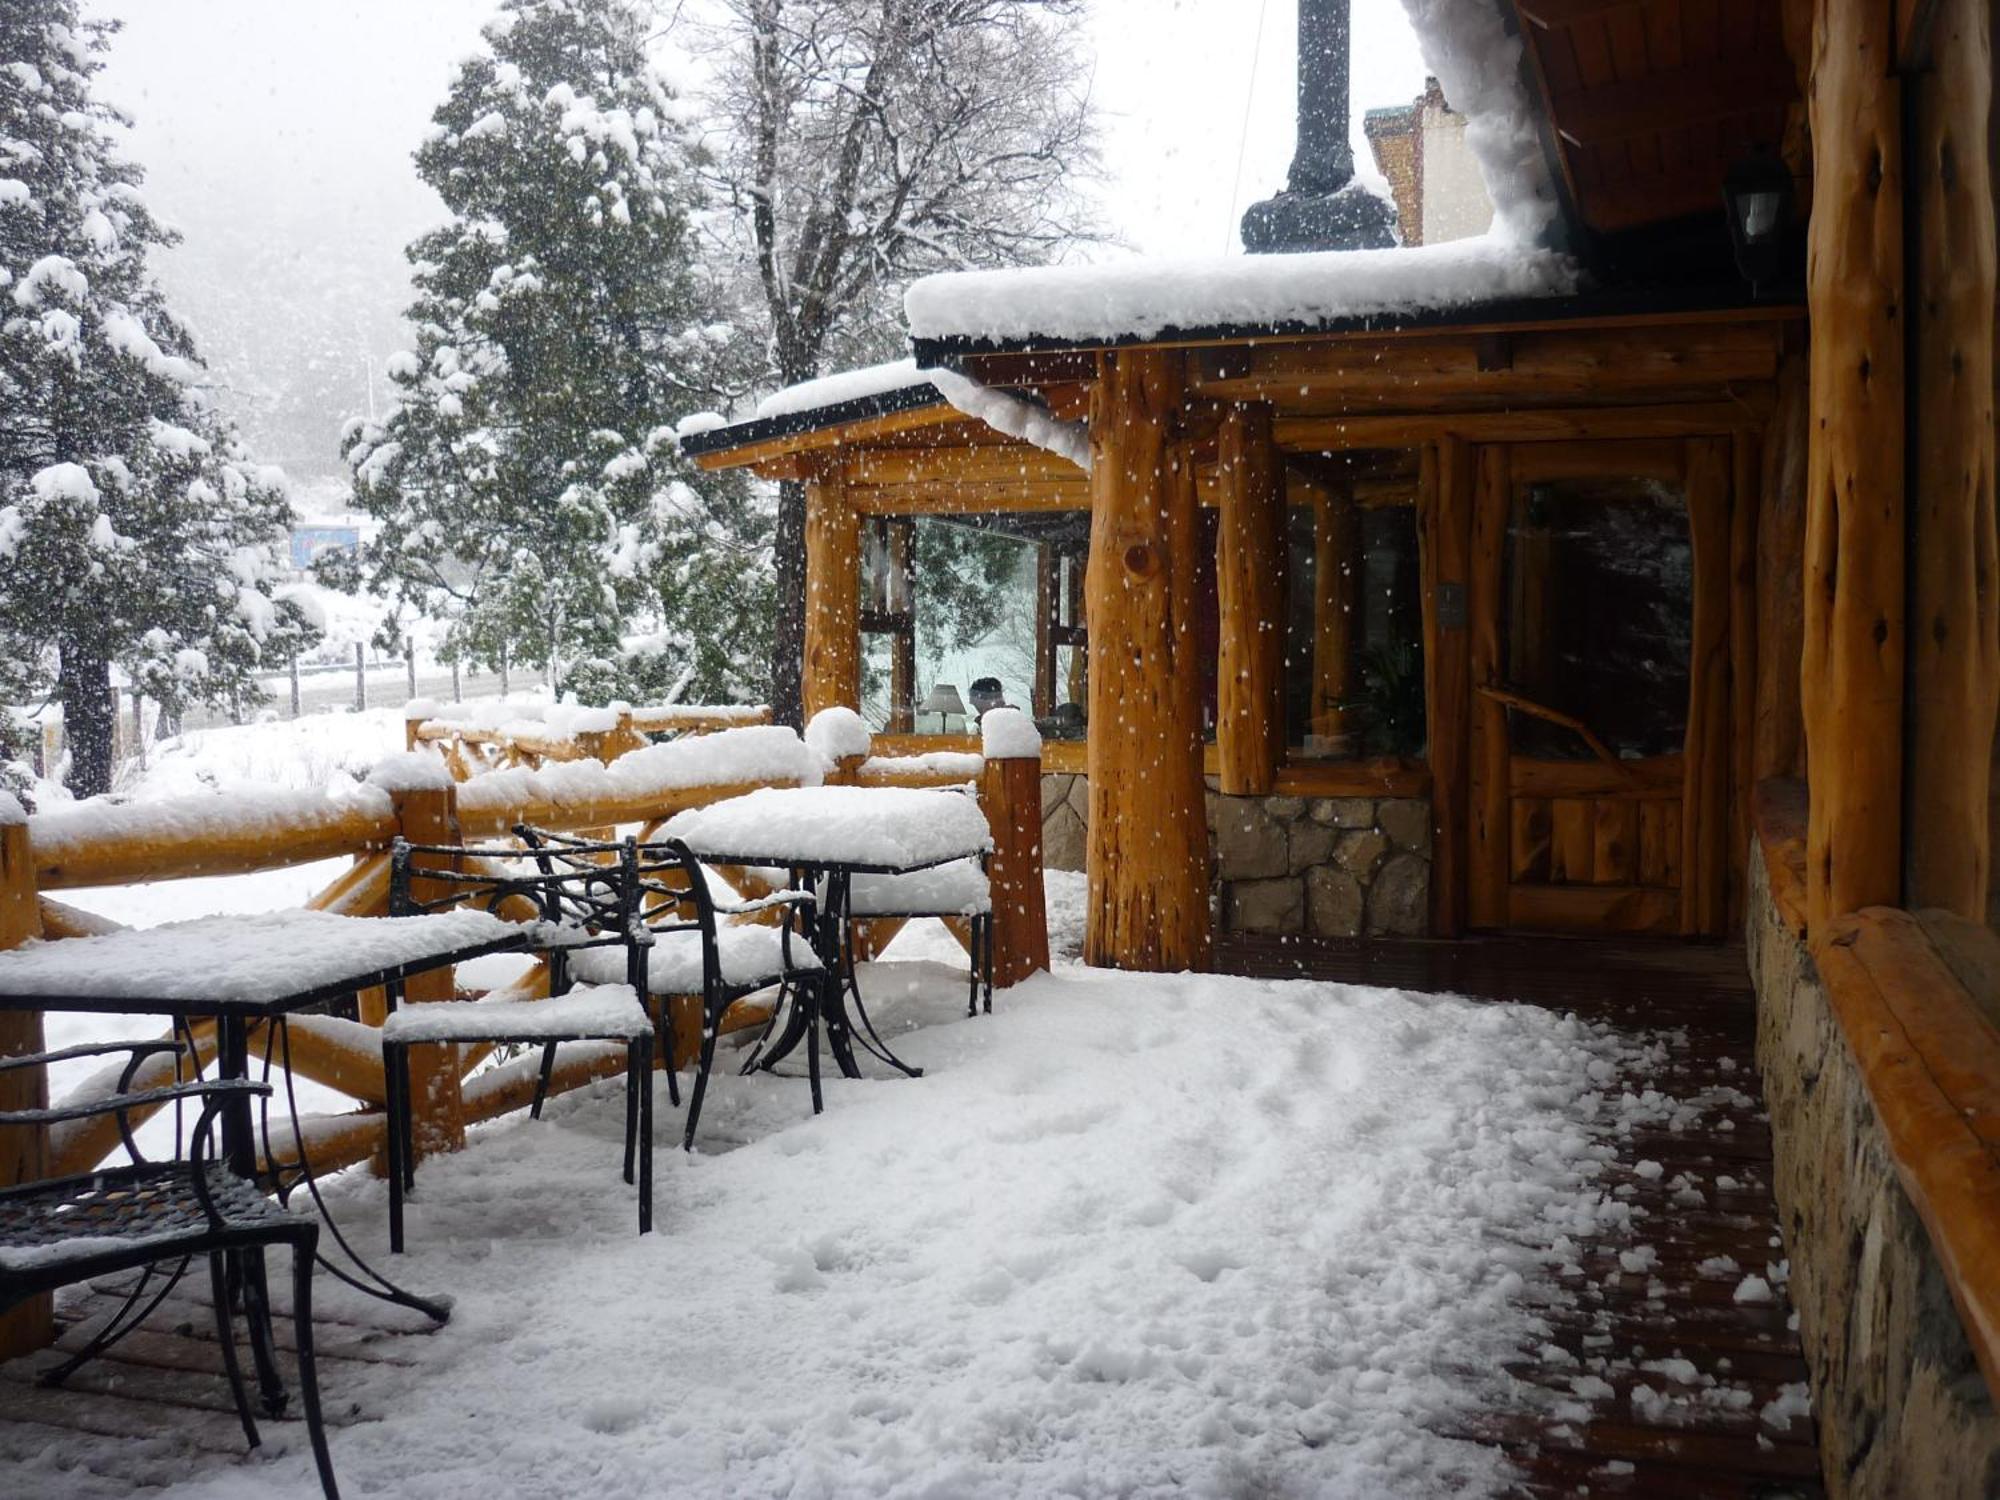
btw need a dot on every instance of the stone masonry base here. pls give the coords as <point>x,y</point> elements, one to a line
<point>1901,1405</point>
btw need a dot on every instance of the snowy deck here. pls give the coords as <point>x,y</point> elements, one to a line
<point>1130,1234</point>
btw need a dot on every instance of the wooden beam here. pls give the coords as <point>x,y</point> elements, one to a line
<point>1489,819</point>
<point>1444,540</point>
<point>970,497</point>
<point>1545,365</point>
<point>1675,98</point>
<point>1336,596</point>
<point>1705,804</point>
<point>426,815</point>
<point>1013,463</point>
<point>169,849</point>
<point>1778,737</point>
<point>844,435</point>
<point>1953,688</point>
<point>1148,851</point>
<point>1745,459</point>
<point>1852,677</point>
<point>833,595</point>
<point>24,1149</point>
<point>1693,419</point>
<point>1250,591</point>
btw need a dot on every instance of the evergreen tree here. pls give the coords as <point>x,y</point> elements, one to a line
<point>134,530</point>
<point>529,485</point>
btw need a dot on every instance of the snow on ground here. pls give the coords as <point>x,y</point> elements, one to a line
<point>1130,1235</point>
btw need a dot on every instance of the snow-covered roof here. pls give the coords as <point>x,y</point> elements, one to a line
<point>1477,62</point>
<point>842,387</point>
<point>1143,299</point>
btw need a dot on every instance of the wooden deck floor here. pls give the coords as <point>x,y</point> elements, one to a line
<point>1675,1327</point>
<point>158,1409</point>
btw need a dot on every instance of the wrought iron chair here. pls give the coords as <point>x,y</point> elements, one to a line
<point>692,954</point>
<point>959,889</point>
<point>586,895</point>
<point>60,1231</point>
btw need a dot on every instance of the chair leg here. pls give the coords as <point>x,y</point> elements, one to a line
<point>631,1105</point>
<point>812,1041</point>
<point>397,1106</point>
<point>663,1035</point>
<point>972,957</point>
<point>263,1344</point>
<point>990,939</point>
<point>700,1090</point>
<point>542,1082</point>
<point>645,1072</point>
<point>302,1278</point>
<point>225,1332</point>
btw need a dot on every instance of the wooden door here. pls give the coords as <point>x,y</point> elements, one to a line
<point>1600,689</point>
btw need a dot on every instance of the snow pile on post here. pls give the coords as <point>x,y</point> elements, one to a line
<point>1143,299</point>
<point>411,771</point>
<point>1009,734</point>
<point>837,734</point>
<point>12,814</point>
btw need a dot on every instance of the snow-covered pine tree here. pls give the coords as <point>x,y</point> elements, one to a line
<point>134,530</point>
<point>529,485</point>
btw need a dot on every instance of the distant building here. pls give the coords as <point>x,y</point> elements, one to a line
<point>1420,147</point>
<point>308,542</point>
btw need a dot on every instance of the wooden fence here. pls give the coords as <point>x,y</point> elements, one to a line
<point>551,781</point>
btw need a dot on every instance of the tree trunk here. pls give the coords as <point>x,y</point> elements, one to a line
<point>788,630</point>
<point>85,689</point>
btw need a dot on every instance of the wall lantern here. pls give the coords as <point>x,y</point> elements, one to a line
<point>1758,193</point>
<point>946,704</point>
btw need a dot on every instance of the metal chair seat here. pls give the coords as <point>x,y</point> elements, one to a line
<point>66,1226</point>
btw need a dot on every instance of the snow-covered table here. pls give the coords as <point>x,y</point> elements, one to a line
<point>826,835</point>
<point>238,970</point>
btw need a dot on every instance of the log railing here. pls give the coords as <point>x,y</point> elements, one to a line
<point>96,844</point>
<point>475,737</point>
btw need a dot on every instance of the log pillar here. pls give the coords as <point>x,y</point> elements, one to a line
<point>1852,674</point>
<point>429,815</point>
<point>1148,851</point>
<point>1250,593</point>
<point>1335,586</point>
<point>1444,520</point>
<point>1010,792</point>
<point>1954,660</point>
<point>833,594</point>
<point>24,1149</point>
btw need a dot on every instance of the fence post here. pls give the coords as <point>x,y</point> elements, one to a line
<point>506,686</point>
<point>410,662</point>
<point>1010,790</point>
<point>23,1148</point>
<point>295,687</point>
<point>360,678</point>
<point>427,813</point>
<point>457,693</point>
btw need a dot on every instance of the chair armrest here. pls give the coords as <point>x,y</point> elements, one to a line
<point>87,1049</point>
<point>765,903</point>
<point>111,1104</point>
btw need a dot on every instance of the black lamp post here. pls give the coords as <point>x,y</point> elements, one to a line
<point>1758,194</point>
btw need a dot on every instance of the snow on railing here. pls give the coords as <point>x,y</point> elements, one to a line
<point>723,753</point>
<point>480,736</point>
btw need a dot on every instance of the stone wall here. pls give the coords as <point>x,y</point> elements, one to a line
<point>1901,1405</point>
<point>1319,866</point>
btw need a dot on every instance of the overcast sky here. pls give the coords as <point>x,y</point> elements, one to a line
<point>277,135</point>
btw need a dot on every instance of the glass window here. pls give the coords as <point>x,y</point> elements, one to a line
<point>961,613</point>
<point>1354,652</point>
<point>1600,615</point>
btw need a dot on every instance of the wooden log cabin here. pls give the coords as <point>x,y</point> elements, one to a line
<point>1630,571</point>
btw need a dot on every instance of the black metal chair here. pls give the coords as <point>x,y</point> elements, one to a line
<point>587,896</point>
<point>959,889</point>
<point>692,954</point>
<point>60,1231</point>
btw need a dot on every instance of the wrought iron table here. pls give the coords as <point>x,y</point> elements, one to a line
<point>238,971</point>
<point>825,836</point>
